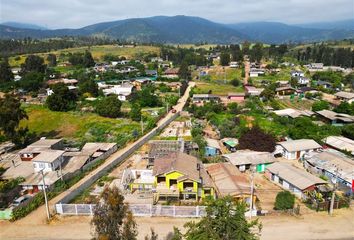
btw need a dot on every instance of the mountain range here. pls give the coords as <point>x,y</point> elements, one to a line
<point>187,29</point>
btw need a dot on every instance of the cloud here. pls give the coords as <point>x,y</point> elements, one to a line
<point>78,13</point>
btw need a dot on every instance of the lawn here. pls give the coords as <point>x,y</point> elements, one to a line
<point>218,88</point>
<point>97,52</point>
<point>228,74</point>
<point>78,126</point>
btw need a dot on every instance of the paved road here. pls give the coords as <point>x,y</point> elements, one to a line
<point>39,216</point>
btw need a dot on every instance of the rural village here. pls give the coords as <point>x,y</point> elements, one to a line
<point>174,126</point>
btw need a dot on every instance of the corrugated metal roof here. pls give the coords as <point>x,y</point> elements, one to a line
<point>244,157</point>
<point>299,145</point>
<point>295,176</point>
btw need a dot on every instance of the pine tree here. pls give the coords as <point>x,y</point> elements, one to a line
<point>6,74</point>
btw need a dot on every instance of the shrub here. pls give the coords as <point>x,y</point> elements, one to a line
<point>284,200</point>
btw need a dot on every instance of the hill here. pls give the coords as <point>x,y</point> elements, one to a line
<point>186,29</point>
<point>24,25</point>
<point>274,32</point>
<point>344,24</point>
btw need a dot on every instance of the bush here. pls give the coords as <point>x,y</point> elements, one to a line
<point>284,200</point>
<point>109,107</point>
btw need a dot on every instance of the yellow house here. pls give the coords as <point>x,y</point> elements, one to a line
<point>180,176</point>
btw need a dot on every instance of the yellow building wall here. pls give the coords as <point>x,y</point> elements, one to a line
<point>172,176</point>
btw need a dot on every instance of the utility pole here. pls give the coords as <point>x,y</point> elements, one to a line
<point>334,191</point>
<point>167,107</point>
<point>252,189</point>
<point>45,196</point>
<point>142,125</point>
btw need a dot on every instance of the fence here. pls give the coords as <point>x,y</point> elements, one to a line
<point>139,210</point>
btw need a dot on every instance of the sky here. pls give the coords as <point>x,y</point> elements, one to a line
<point>78,13</point>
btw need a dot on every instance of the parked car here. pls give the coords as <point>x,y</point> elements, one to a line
<point>19,200</point>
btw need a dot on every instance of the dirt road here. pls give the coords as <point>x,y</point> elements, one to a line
<point>39,216</point>
<point>309,226</point>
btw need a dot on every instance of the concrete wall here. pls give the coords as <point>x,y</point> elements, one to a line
<point>93,178</point>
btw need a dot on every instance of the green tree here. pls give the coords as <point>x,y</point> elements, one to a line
<point>225,220</point>
<point>109,107</point>
<point>233,108</point>
<point>112,219</point>
<point>87,60</point>
<point>320,105</point>
<point>32,81</point>
<point>175,235</point>
<point>235,82</point>
<point>135,112</point>
<point>257,140</point>
<point>284,200</point>
<point>345,107</point>
<point>62,99</point>
<point>348,131</point>
<point>52,60</point>
<point>225,59</point>
<point>88,86</point>
<point>6,74</point>
<point>184,72</point>
<point>33,63</point>
<point>11,114</point>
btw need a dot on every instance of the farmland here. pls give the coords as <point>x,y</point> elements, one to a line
<point>97,52</point>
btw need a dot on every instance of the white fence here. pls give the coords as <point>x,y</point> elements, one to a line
<point>139,210</point>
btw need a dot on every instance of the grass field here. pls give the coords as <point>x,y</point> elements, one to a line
<point>217,88</point>
<point>80,127</point>
<point>97,52</point>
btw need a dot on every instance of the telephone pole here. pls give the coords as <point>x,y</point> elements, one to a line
<point>142,125</point>
<point>252,189</point>
<point>45,196</point>
<point>335,180</point>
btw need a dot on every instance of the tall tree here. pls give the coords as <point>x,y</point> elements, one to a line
<point>112,219</point>
<point>88,59</point>
<point>33,63</point>
<point>62,99</point>
<point>184,72</point>
<point>52,60</point>
<point>135,112</point>
<point>224,59</point>
<point>109,107</point>
<point>88,86</point>
<point>11,114</point>
<point>32,81</point>
<point>225,220</point>
<point>6,74</point>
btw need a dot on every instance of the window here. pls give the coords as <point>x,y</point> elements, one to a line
<point>41,165</point>
<point>207,191</point>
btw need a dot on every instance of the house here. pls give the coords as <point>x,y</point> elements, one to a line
<point>236,97</point>
<point>345,96</point>
<point>200,98</point>
<point>332,164</point>
<point>230,143</point>
<point>296,149</point>
<point>340,143</point>
<point>303,81</point>
<point>152,73</point>
<point>293,113</point>
<point>34,183</point>
<point>48,161</point>
<point>171,73</point>
<point>181,176</point>
<point>123,91</point>
<point>324,84</point>
<point>293,179</point>
<point>296,74</point>
<point>34,149</point>
<point>229,181</point>
<point>247,159</point>
<point>306,89</point>
<point>253,91</point>
<point>66,81</point>
<point>282,83</point>
<point>288,90</point>
<point>318,66</point>
<point>233,65</point>
<point>212,147</point>
<point>255,72</point>
<point>334,118</point>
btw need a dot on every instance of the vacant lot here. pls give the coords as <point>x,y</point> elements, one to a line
<point>78,126</point>
<point>217,88</point>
